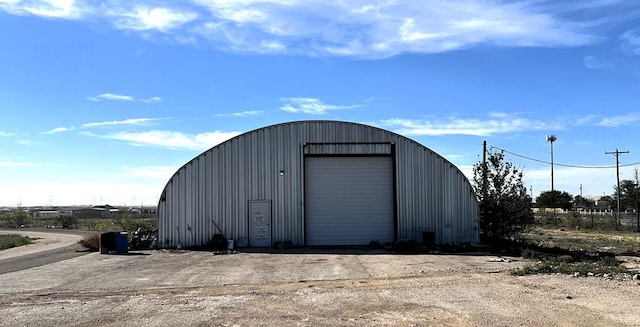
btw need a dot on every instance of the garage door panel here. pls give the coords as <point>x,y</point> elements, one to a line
<point>349,200</point>
<point>349,206</point>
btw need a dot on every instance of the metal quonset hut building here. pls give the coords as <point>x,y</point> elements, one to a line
<point>317,183</point>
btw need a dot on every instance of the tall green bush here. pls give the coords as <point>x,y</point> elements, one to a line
<point>505,205</point>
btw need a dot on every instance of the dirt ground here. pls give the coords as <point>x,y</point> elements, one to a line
<point>308,288</point>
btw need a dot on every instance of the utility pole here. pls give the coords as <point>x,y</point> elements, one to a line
<point>617,153</point>
<point>580,190</point>
<point>582,201</point>
<point>484,171</point>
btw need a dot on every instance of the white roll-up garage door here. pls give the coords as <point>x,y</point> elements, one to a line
<point>348,200</point>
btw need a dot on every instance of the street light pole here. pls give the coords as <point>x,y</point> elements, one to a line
<point>552,138</point>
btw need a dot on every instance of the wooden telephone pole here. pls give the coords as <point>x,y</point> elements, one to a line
<point>617,153</point>
<point>485,181</point>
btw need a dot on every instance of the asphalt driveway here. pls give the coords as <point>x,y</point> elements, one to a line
<point>51,245</point>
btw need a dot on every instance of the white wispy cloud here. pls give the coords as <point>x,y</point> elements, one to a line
<point>174,140</point>
<point>497,123</point>
<point>130,121</point>
<point>586,119</point>
<point>142,18</point>
<point>111,96</point>
<point>386,28</point>
<point>59,130</point>
<point>311,106</point>
<point>241,114</point>
<point>5,134</point>
<point>631,41</point>
<point>121,97</point>
<point>616,121</point>
<point>592,62</point>
<point>64,9</point>
<point>372,29</point>
<point>152,100</point>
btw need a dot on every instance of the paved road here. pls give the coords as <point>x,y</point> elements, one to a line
<point>52,246</point>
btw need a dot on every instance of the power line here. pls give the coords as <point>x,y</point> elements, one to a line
<point>562,165</point>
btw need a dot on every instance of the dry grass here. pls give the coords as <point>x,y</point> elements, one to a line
<point>91,242</point>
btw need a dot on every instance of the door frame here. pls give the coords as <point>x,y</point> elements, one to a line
<point>391,154</point>
<point>251,217</point>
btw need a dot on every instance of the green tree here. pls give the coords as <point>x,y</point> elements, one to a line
<point>505,205</point>
<point>17,219</point>
<point>606,202</point>
<point>555,199</point>
<point>125,221</point>
<point>608,198</point>
<point>67,222</point>
<point>630,195</point>
<point>580,202</point>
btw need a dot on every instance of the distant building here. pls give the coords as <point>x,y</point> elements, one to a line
<point>101,211</point>
<point>547,210</point>
<point>46,214</point>
<point>149,210</point>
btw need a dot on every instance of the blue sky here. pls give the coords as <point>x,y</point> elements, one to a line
<point>102,101</point>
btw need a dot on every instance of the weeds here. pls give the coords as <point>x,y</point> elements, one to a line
<point>608,265</point>
<point>630,245</point>
<point>13,240</point>
<point>575,252</point>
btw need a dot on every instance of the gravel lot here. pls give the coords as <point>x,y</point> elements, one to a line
<point>306,288</point>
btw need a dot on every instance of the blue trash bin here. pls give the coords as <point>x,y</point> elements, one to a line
<point>122,243</point>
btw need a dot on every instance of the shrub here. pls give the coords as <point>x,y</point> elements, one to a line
<point>67,222</point>
<point>573,220</point>
<point>607,222</point>
<point>126,223</point>
<point>547,219</point>
<point>91,242</point>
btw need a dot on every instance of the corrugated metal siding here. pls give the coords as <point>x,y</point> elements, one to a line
<point>347,148</point>
<point>216,187</point>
